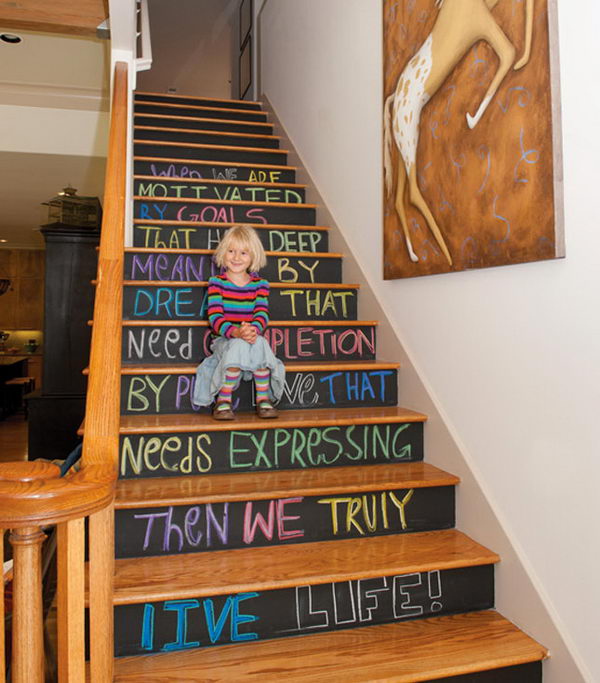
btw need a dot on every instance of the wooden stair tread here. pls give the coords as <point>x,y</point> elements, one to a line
<point>294,366</point>
<point>183,119</point>
<point>199,131</point>
<point>206,224</point>
<point>273,285</point>
<point>288,419</point>
<point>210,162</point>
<point>220,572</point>
<point>194,490</point>
<point>196,145</point>
<point>398,653</point>
<point>213,181</point>
<point>229,202</point>
<point>208,252</point>
<point>140,94</point>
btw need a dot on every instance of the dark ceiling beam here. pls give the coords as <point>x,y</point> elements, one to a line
<point>73,17</point>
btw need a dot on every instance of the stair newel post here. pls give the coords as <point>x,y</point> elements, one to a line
<point>71,601</point>
<point>27,623</point>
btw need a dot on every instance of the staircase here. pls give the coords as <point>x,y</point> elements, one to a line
<point>315,547</point>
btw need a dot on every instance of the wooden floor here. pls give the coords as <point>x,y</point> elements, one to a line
<point>13,439</point>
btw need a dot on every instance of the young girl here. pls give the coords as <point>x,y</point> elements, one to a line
<point>238,313</point>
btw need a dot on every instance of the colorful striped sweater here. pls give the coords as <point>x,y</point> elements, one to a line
<point>229,305</point>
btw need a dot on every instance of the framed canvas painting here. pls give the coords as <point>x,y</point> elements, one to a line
<point>472,142</point>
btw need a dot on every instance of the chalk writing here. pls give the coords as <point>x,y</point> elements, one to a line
<point>268,449</point>
<point>366,508</point>
<point>239,193</point>
<point>367,600</point>
<point>173,237</point>
<point>318,302</point>
<point>186,609</point>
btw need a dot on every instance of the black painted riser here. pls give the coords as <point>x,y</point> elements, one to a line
<point>170,267</point>
<point>199,111</point>
<point>209,138</point>
<point>206,123</point>
<point>198,170</point>
<point>154,394</point>
<point>180,189</point>
<point>206,102</point>
<point>255,616</point>
<point>252,156</point>
<point>284,521</point>
<point>155,302</point>
<point>203,237</point>
<point>185,344</point>
<point>524,673</point>
<point>269,449</point>
<point>219,212</point>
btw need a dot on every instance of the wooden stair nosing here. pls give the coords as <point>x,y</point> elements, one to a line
<point>273,285</point>
<point>210,162</point>
<point>272,323</point>
<point>214,488</point>
<point>391,653</point>
<point>142,93</point>
<point>266,124</point>
<point>209,224</point>
<point>288,419</point>
<point>229,202</point>
<point>195,145</point>
<point>293,254</point>
<point>199,131</point>
<point>294,366</point>
<point>213,181</point>
<point>222,572</point>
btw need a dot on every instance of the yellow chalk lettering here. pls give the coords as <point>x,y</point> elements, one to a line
<point>351,511</point>
<point>370,521</point>
<point>334,502</point>
<point>401,505</point>
<point>283,266</point>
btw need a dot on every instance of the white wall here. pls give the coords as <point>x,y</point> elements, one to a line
<point>191,47</point>
<point>510,356</point>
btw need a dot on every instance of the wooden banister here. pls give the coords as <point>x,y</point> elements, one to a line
<point>33,495</point>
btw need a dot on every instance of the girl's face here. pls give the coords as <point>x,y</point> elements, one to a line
<point>237,258</point>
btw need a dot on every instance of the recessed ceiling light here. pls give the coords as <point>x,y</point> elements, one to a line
<point>3,240</point>
<point>11,38</point>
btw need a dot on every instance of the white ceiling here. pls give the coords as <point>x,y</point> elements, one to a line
<point>61,82</point>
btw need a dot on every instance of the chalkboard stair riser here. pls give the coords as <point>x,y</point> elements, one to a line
<point>165,109</point>
<point>181,134</point>
<point>199,266</point>
<point>161,341</point>
<point>156,517</point>
<point>203,123</point>
<point>140,96</point>
<point>151,186</point>
<point>207,235</point>
<point>215,170</point>
<point>231,153</point>
<point>175,209</point>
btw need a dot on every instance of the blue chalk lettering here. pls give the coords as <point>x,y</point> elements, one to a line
<point>148,628</point>
<point>330,378</point>
<point>180,301</point>
<point>237,619</point>
<point>215,630</point>
<point>181,607</point>
<point>136,306</point>
<point>352,387</point>
<point>366,387</point>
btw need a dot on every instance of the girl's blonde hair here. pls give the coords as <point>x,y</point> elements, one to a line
<point>247,237</point>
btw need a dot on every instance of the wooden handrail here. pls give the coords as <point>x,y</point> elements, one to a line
<point>33,495</point>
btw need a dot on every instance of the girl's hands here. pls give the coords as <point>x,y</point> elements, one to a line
<point>248,332</point>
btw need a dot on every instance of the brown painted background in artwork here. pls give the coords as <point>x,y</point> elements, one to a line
<point>490,189</point>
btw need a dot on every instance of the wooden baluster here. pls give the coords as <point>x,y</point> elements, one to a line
<point>2,615</point>
<point>27,620</point>
<point>71,601</point>
<point>102,568</point>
